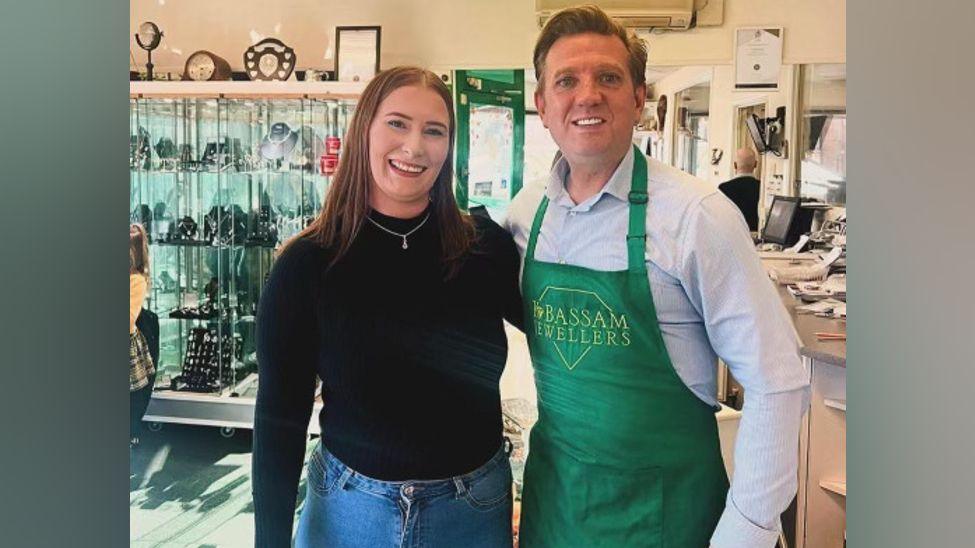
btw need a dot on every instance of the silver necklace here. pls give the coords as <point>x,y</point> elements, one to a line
<point>417,227</point>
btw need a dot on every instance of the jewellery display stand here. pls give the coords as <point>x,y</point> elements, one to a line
<point>221,174</point>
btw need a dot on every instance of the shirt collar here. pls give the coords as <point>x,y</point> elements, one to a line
<point>618,185</point>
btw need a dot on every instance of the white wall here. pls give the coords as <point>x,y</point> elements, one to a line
<point>457,33</point>
<point>815,32</point>
<point>431,33</point>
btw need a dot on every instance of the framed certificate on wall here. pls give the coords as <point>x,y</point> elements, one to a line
<point>758,58</point>
<point>356,53</point>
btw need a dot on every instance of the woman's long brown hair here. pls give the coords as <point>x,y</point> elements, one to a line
<point>347,203</point>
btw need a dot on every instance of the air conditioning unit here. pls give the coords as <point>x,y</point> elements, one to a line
<point>634,14</point>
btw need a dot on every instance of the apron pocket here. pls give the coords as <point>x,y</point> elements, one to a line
<point>620,507</point>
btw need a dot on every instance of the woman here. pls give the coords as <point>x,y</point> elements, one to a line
<point>395,300</point>
<point>142,371</point>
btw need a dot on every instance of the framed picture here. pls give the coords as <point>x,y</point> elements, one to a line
<point>356,53</point>
<point>758,58</point>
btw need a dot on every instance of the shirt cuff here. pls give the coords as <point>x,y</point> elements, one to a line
<point>735,531</point>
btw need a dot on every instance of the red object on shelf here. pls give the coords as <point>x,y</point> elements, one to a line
<point>328,163</point>
<point>333,145</point>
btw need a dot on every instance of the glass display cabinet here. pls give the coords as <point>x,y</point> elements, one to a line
<point>220,179</point>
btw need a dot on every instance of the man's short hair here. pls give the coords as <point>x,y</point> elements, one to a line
<point>589,18</point>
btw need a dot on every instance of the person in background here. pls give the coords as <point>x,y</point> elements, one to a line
<point>661,113</point>
<point>395,300</point>
<point>744,189</point>
<point>636,278</point>
<point>142,371</point>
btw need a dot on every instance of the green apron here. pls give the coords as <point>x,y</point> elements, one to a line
<point>623,453</point>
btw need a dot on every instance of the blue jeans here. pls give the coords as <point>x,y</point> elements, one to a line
<point>346,509</point>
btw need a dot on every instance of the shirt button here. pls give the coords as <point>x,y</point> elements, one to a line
<point>561,261</point>
<point>572,213</point>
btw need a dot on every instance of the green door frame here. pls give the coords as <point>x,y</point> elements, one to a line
<point>503,88</point>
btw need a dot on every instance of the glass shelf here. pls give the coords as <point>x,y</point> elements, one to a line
<point>245,245</point>
<point>252,167</point>
<point>280,172</point>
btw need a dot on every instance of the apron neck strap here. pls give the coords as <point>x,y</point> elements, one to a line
<point>536,227</point>
<point>636,237</point>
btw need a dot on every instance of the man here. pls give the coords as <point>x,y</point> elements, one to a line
<point>743,190</point>
<point>636,277</point>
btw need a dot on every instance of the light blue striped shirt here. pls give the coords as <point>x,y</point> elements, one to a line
<point>712,299</point>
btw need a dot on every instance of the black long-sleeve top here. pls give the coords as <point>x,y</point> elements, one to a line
<point>410,363</point>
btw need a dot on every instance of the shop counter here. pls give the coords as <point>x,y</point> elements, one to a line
<point>821,499</point>
<point>807,325</point>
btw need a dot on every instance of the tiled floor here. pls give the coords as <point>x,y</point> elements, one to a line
<point>190,487</point>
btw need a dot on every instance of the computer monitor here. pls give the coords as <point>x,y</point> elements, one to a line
<point>780,221</point>
<point>756,128</point>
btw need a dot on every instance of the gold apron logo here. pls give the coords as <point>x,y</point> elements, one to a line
<point>575,321</point>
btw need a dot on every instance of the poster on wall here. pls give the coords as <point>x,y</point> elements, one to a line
<point>758,58</point>
<point>492,132</point>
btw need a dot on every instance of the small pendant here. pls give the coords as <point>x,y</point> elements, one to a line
<point>404,243</point>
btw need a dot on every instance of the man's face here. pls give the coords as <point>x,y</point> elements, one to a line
<point>589,102</point>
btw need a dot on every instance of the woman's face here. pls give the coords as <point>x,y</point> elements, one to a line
<point>408,143</point>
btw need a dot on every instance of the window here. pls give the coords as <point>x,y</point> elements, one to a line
<point>822,167</point>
